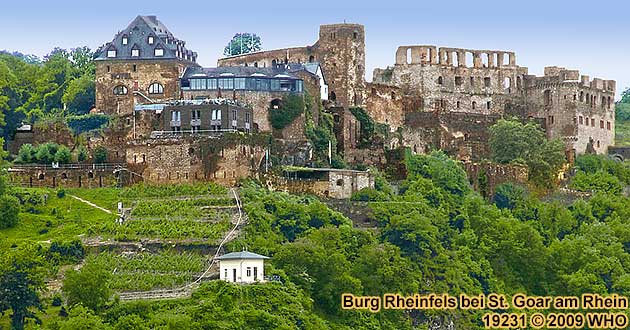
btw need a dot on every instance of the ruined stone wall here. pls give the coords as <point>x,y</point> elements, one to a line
<point>81,176</point>
<point>485,177</point>
<point>575,108</point>
<point>135,76</point>
<point>340,50</point>
<point>338,184</point>
<point>446,80</point>
<point>384,104</point>
<point>187,160</point>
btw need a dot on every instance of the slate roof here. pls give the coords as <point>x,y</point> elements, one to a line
<point>241,255</point>
<point>137,34</point>
<point>287,70</point>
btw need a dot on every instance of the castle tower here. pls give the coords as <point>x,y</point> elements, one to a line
<point>341,53</point>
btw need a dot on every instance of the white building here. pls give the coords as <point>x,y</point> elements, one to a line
<point>242,267</point>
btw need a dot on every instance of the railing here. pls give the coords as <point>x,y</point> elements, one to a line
<point>195,122</point>
<point>171,134</point>
<point>105,166</point>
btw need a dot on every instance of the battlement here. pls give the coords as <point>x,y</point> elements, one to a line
<point>555,74</point>
<point>458,57</point>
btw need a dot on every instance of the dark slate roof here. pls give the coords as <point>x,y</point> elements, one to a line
<point>283,70</point>
<point>241,255</point>
<point>137,34</point>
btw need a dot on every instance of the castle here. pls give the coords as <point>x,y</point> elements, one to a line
<point>173,115</point>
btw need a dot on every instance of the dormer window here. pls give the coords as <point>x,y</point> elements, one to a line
<point>159,52</point>
<point>111,53</point>
<point>135,52</point>
<point>156,88</point>
<point>125,40</point>
<point>150,40</point>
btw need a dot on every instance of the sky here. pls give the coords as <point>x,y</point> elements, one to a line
<point>593,37</point>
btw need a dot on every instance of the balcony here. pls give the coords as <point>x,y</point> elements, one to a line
<point>176,123</point>
<point>215,122</point>
<point>195,122</point>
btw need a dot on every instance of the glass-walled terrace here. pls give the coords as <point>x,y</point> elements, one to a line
<point>251,84</point>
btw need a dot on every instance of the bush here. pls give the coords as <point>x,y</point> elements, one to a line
<point>89,286</point>
<point>63,155</point>
<point>291,107</point>
<point>99,155</point>
<point>70,252</point>
<point>82,154</point>
<point>61,193</point>
<point>26,154</point>
<point>9,209</point>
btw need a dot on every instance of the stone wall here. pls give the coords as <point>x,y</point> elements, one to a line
<point>188,160</point>
<point>135,76</point>
<point>68,176</point>
<point>485,177</point>
<point>331,183</point>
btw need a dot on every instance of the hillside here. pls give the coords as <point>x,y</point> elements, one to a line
<point>434,235</point>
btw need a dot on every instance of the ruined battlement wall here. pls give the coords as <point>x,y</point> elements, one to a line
<point>459,57</point>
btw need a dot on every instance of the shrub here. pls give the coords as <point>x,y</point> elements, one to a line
<point>63,155</point>
<point>290,108</point>
<point>82,154</point>
<point>56,301</point>
<point>61,193</point>
<point>26,154</point>
<point>99,155</point>
<point>9,209</point>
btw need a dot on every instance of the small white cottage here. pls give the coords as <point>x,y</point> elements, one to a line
<point>242,267</point>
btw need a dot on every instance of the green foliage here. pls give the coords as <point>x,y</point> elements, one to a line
<point>599,181</point>
<point>191,208</point>
<point>594,163</point>
<point>27,154</point>
<point>88,286</point>
<point>20,280</point>
<point>509,196</point>
<point>442,170</point>
<point>99,155</point>
<point>88,122</point>
<point>242,43</point>
<point>82,154</point>
<point>370,195</point>
<point>9,209</point>
<point>79,96</point>
<point>513,142</point>
<point>83,318</point>
<point>66,252</point>
<point>291,107</point>
<point>371,132</point>
<point>44,154</point>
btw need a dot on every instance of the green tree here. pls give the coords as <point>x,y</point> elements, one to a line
<point>9,210</point>
<point>82,154</point>
<point>242,43</point>
<point>509,196</point>
<point>99,155</point>
<point>79,96</point>
<point>89,286</point>
<point>63,155</point>
<point>27,154</point>
<point>513,142</point>
<point>20,280</point>
<point>81,318</point>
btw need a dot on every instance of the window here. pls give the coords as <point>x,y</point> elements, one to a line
<point>472,81</point>
<point>195,129</point>
<point>125,40</point>
<point>458,81</point>
<point>135,68</point>
<point>135,52</point>
<point>111,53</point>
<point>108,68</point>
<point>608,125</point>
<point>247,118</point>
<point>458,105</point>
<point>120,90</point>
<point>239,83</point>
<point>159,52</point>
<point>150,40</point>
<point>488,105</point>
<point>440,80</point>
<point>212,84</point>
<point>474,105</point>
<point>586,121</point>
<point>581,120</point>
<point>249,271</point>
<point>601,124</point>
<point>226,83</point>
<point>156,88</point>
<point>176,116</point>
<point>486,82</point>
<point>592,122</point>
<point>216,114</point>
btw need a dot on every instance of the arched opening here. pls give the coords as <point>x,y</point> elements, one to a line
<point>340,182</point>
<point>90,175</point>
<point>40,176</point>
<point>469,59</point>
<point>275,103</point>
<point>273,62</point>
<point>507,82</point>
<point>332,96</point>
<point>440,80</point>
<point>393,96</point>
<point>474,105</point>
<point>311,59</point>
<point>485,60</point>
<point>64,176</point>
<point>255,64</point>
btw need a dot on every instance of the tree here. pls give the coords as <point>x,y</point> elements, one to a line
<point>99,155</point>
<point>20,280</point>
<point>514,142</point>
<point>63,155</point>
<point>27,154</point>
<point>89,286</point>
<point>242,43</point>
<point>9,210</point>
<point>82,154</point>
<point>82,318</point>
<point>79,96</point>
<point>509,196</point>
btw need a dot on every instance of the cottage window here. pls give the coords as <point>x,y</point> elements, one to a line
<point>111,53</point>
<point>159,52</point>
<point>135,52</point>
<point>150,40</point>
<point>125,40</point>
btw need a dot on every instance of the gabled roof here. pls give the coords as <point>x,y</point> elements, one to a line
<point>241,255</point>
<point>137,34</point>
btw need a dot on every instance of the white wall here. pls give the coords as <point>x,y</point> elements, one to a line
<point>241,266</point>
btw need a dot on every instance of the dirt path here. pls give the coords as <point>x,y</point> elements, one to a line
<point>91,204</point>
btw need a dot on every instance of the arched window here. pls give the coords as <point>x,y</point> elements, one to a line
<point>156,88</point>
<point>311,59</point>
<point>120,90</point>
<point>440,80</point>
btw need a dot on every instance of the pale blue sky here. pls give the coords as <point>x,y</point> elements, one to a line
<point>593,37</point>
